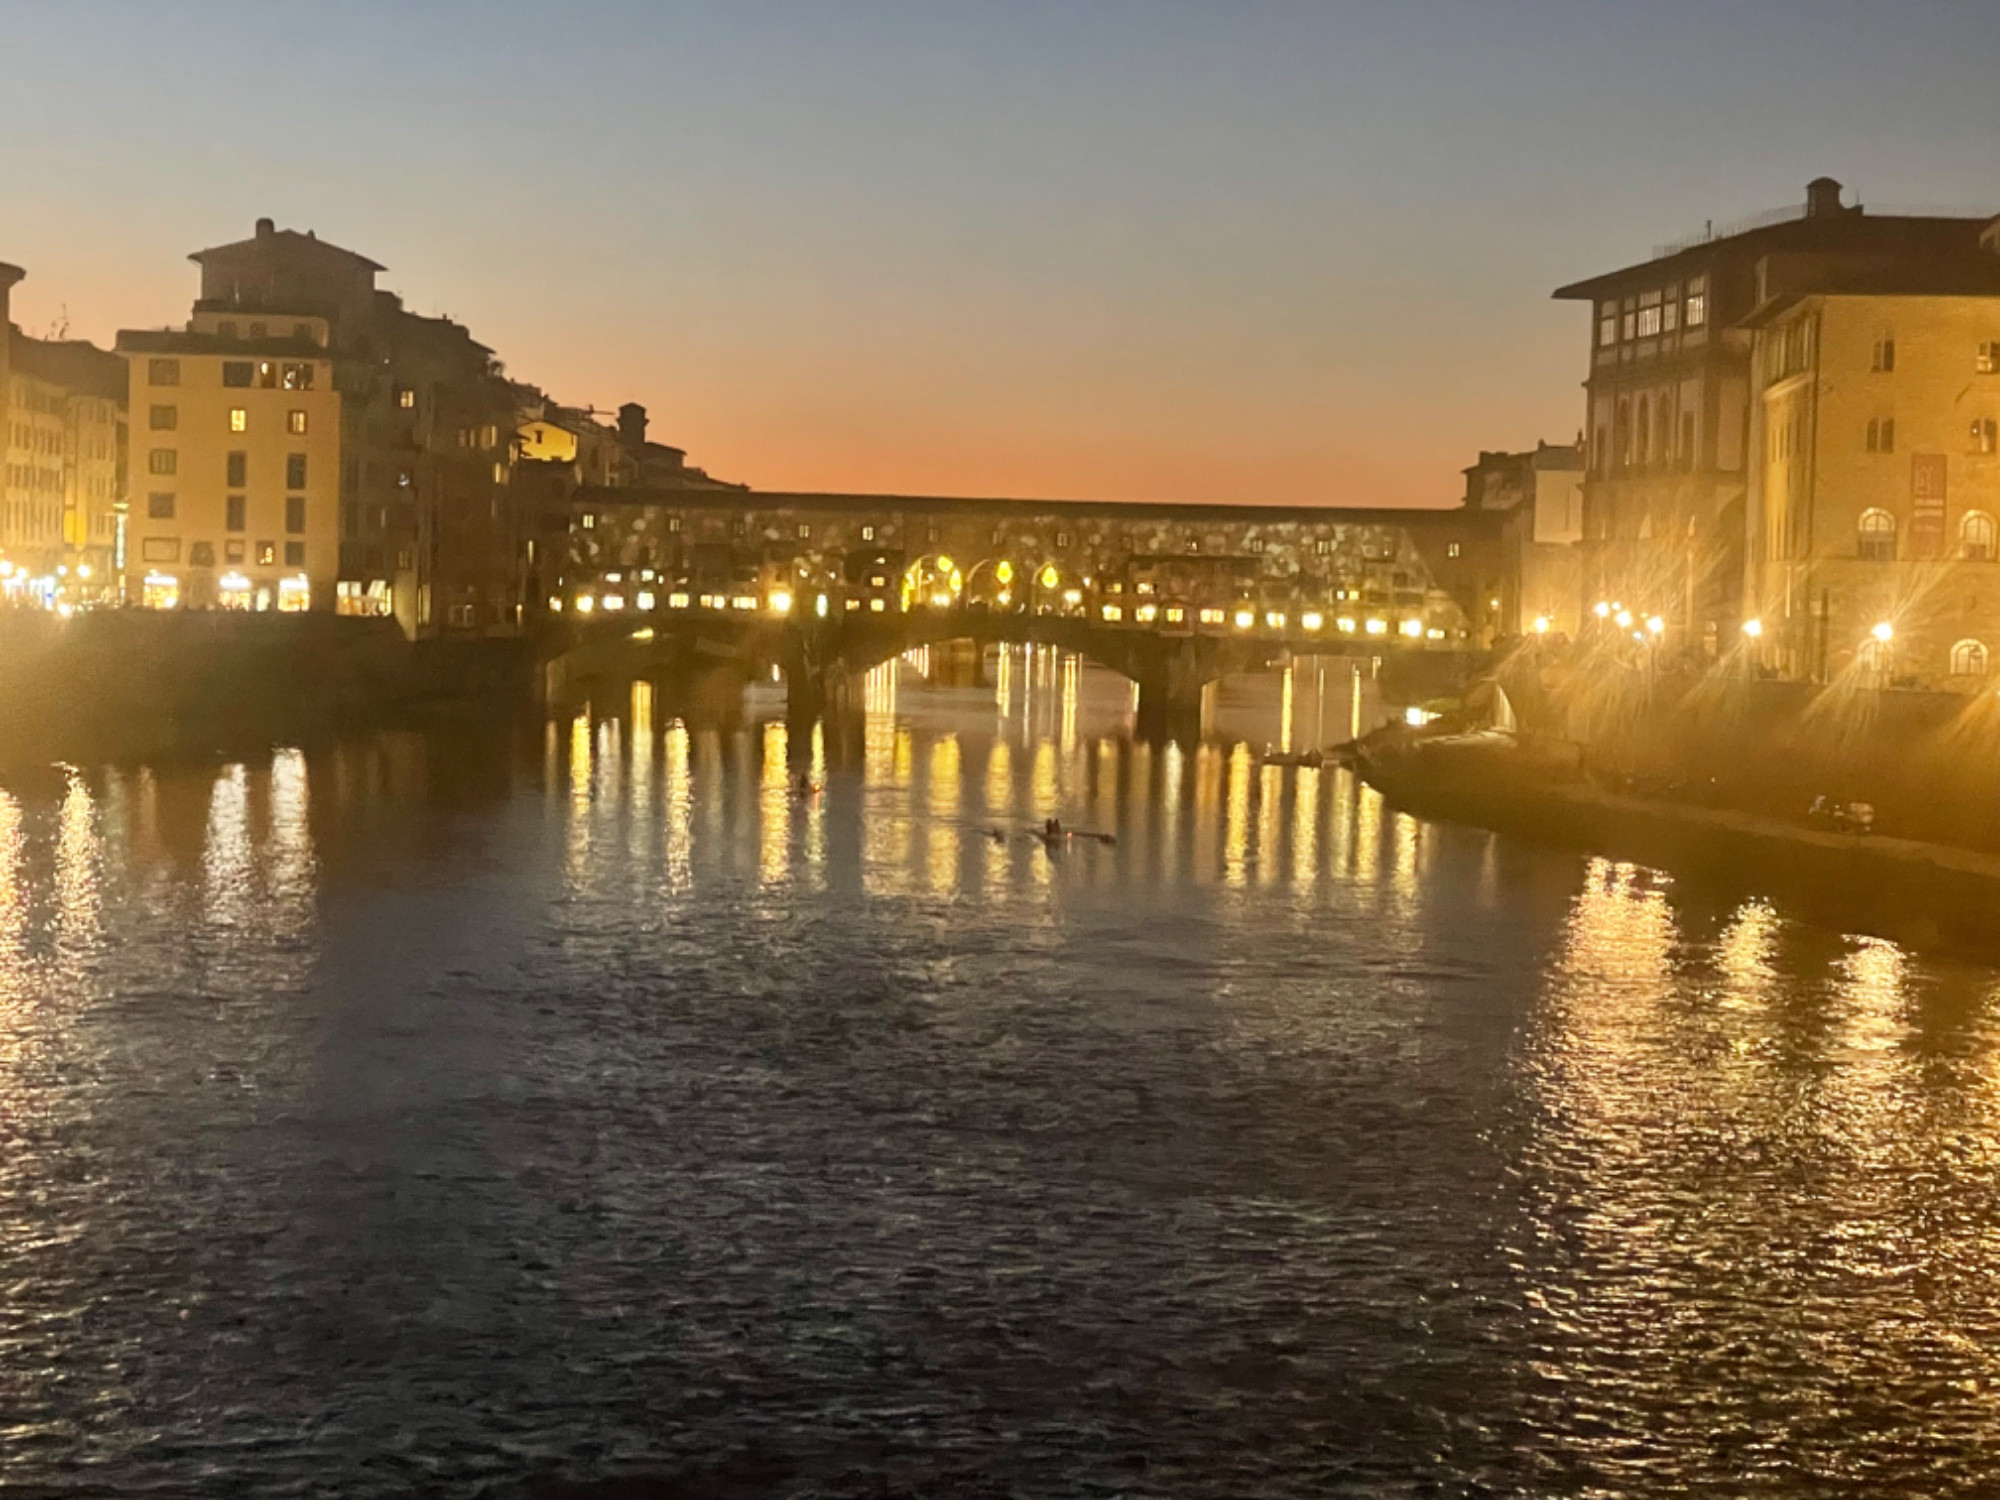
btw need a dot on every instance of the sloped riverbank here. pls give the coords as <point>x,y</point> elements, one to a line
<point>1919,892</point>
<point>138,685</point>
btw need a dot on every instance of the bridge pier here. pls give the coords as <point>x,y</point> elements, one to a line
<point>1173,677</point>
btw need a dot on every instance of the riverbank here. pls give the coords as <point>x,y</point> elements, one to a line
<point>129,685</point>
<point>1921,893</point>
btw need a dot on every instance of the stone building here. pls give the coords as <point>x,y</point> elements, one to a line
<point>402,444</point>
<point>1875,494</point>
<point>1427,578</point>
<point>1540,493</point>
<point>62,455</point>
<point>1669,401</point>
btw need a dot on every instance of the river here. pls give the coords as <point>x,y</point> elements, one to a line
<point>428,1113</point>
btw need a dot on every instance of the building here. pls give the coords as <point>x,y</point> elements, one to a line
<point>326,448</point>
<point>236,465</point>
<point>63,449</point>
<point>1875,494</point>
<point>1669,402</point>
<point>1540,494</point>
<point>1412,578</point>
<point>9,276</point>
<point>565,450</point>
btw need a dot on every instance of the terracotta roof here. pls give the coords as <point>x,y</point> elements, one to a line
<point>307,243</point>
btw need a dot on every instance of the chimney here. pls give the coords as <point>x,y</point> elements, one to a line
<point>1823,199</point>
<point>632,425</point>
<point>266,228</point>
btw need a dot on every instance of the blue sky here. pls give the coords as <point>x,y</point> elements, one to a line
<point>1123,248</point>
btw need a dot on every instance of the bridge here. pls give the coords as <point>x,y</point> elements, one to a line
<point>653,583</point>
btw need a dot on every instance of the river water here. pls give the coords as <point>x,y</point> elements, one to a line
<point>433,1113</point>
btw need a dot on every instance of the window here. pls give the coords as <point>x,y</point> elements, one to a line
<point>1697,302</point>
<point>160,549</point>
<point>589,521</point>
<point>298,376</point>
<point>295,514</point>
<point>1687,440</point>
<point>163,372</point>
<point>295,471</point>
<point>1649,315</point>
<point>258,331</point>
<point>225,330</point>
<point>237,373</point>
<point>237,466</point>
<point>232,551</point>
<point>1883,360</point>
<point>805,532</point>
<point>202,554</point>
<point>1607,324</point>
<point>868,533</point>
<point>160,506</point>
<point>239,419</point>
<point>233,510</point>
<point>1628,322</point>
<point>1988,360</point>
<point>1670,312</point>
<point>1876,536</point>
<point>165,418</point>
<point>1985,436</point>
<point>1062,538</point>
<point>406,397</point>
<point>1976,537</point>
<point>295,554</point>
<point>163,461</point>
<point>1881,434</point>
<point>267,553</point>
<point>267,375</point>
<point>1968,659</point>
<point>1451,550</point>
<point>673,523</point>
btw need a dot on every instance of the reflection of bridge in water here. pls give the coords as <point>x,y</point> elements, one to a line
<point>661,583</point>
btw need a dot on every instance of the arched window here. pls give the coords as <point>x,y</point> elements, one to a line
<point>1968,659</point>
<point>1876,536</point>
<point>1621,437</point>
<point>1663,430</point>
<point>1975,537</point>
<point>1644,444</point>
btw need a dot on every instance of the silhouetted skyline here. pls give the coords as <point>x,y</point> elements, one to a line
<point>1124,250</point>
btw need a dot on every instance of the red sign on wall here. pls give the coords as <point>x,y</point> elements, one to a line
<point>1927,504</point>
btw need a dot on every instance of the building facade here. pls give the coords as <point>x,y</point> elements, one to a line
<point>235,466</point>
<point>361,465</point>
<point>1428,578</point>
<point>1669,401</point>
<point>1540,495</point>
<point>1875,506</point>
<point>62,453</point>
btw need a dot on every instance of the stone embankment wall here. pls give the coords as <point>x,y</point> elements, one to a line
<point>123,685</point>
<point>1929,762</point>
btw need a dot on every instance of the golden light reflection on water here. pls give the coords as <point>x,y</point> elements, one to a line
<point>774,812</point>
<point>13,903</point>
<point>1236,818</point>
<point>76,868</point>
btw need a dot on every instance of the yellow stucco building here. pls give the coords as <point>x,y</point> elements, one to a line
<point>1875,505</point>
<point>235,465</point>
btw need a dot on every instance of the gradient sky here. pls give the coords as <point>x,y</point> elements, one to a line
<point>1130,249</point>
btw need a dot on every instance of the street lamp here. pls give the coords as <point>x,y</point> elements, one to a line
<point>1753,628</point>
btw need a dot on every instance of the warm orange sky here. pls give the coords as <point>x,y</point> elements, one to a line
<point>1130,249</point>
